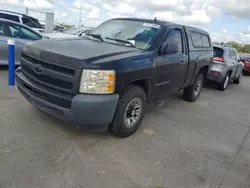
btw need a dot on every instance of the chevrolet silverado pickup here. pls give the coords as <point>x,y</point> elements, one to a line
<point>104,80</point>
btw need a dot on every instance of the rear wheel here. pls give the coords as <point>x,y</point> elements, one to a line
<point>129,112</point>
<point>223,85</point>
<point>238,80</point>
<point>193,92</point>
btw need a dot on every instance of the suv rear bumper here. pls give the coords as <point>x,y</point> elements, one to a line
<point>89,112</point>
<point>217,79</point>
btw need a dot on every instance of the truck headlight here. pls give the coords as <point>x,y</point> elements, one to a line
<point>97,82</point>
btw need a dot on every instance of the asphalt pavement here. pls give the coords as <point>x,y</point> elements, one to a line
<point>205,144</point>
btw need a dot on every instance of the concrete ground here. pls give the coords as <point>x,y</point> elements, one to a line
<point>205,144</point>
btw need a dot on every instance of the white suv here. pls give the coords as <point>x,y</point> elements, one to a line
<point>23,19</point>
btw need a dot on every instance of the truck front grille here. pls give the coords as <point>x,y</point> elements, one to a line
<point>50,74</point>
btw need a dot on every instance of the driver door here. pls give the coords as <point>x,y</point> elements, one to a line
<point>171,67</point>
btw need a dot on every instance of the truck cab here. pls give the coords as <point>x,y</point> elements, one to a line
<point>104,80</point>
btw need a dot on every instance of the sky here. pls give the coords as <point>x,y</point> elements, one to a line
<point>225,20</point>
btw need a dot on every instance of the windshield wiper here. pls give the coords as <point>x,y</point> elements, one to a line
<point>120,40</point>
<point>97,36</point>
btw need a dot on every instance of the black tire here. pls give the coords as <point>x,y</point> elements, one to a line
<point>246,73</point>
<point>128,94</point>
<point>223,85</point>
<point>238,80</point>
<point>191,94</point>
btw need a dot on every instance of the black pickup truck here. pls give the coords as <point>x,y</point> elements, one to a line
<point>104,80</point>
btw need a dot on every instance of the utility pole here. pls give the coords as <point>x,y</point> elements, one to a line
<point>80,19</point>
<point>27,11</point>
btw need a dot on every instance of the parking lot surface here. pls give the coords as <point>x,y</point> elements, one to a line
<point>205,144</point>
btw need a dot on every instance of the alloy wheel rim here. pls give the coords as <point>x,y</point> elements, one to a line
<point>226,82</point>
<point>197,88</point>
<point>132,112</point>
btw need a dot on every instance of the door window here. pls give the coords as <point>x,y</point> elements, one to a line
<point>29,22</point>
<point>1,29</point>
<point>205,41</point>
<point>4,29</point>
<point>196,39</point>
<point>237,57</point>
<point>175,37</point>
<point>18,31</point>
<point>233,55</point>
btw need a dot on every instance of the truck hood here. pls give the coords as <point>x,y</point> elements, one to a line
<point>78,52</point>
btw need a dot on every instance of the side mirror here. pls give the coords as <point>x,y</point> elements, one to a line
<point>169,48</point>
<point>83,34</point>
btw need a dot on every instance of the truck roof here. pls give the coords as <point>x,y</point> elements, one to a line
<point>161,22</point>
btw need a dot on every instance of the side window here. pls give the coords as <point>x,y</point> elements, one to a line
<point>28,22</point>
<point>233,55</point>
<point>9,17</point>
<point>196,39</point>
<point>1,29</point>
<point>4,29</point>
<point>30,34</point>
<point>205,41</point>
<point>18,31</point>
<point>237,56</point>
<point>175,37</point>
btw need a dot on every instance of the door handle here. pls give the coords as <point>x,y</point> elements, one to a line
<point>182,61</point>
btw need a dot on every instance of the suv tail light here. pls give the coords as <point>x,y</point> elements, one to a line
<point>215,73</point>
<point>219,59</point>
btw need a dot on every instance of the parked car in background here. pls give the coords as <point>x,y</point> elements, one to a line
<point>58,28</point>
<point>105,79</point>
<point>17,32</point>
<point>246,66</point>
<point>23,19</point>
<point>226,66</point>
<point>71,32</point>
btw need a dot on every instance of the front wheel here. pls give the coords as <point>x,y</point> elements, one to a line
<point>238,80</point>
<point>193,92</point>
<point>129,112</point>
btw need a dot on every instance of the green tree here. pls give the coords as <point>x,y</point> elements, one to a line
<point>246,48</point>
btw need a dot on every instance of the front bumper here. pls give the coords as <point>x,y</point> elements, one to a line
<point>89,112</point>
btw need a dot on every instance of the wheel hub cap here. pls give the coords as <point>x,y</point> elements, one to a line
<point>226,82</point>
<point>197,88</point>
<point>132,112</point>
